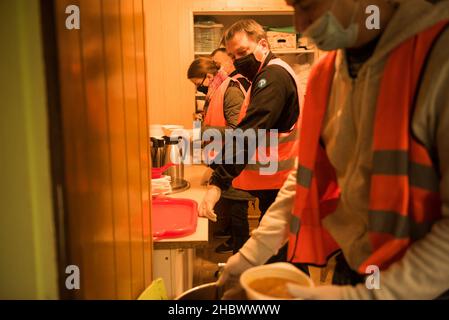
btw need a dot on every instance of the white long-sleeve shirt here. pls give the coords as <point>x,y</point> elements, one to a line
<point>423,273</point>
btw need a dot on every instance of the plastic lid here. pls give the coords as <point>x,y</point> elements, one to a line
<point>171,140</point>
<point>173,218</point>
<point>283,29</point>
<point>157,142</point>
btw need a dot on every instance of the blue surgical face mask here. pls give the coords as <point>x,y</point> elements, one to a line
<point>328,34</point>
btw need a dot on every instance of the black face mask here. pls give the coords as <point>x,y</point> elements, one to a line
<point>202,88</point>
<point>247,66</point>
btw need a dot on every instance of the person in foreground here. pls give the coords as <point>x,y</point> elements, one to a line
<point>373,143</point>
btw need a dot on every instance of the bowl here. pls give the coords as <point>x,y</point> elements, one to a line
<point>208,291</point>
<point>283,270</point>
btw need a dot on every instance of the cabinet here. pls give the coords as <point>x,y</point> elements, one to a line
<point>175,267</point>
<point>173,259</point>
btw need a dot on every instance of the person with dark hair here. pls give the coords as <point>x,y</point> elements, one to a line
<point>224,98</point>
<point>224,94</point>
<point>232,209</point>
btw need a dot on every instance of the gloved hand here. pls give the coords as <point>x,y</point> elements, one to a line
<point>206,176</point>
<point>315,293</point>
<point>235,292</point>
<point>230,277</point>
<point>206,208</point>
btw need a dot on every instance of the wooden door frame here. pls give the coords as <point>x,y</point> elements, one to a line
<point>55,129</point>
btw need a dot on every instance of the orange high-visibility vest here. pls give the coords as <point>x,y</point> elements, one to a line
<point>252,177</point>
<point>404,194</point>
<point>215,114</point>
<point>215,111</point>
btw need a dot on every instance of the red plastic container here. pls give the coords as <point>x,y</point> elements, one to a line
<point>156,173</point>
<point>173,218</point>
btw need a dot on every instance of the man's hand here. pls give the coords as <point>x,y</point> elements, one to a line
<point>206,208</point>
<point>315,293</point>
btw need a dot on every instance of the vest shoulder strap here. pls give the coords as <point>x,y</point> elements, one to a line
<point>235,79</point>
<point>289,69</point>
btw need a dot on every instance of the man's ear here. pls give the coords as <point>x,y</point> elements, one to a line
<point>265,45</point>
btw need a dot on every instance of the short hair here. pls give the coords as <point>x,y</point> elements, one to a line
<point>221,49</point>
<point>201,66</point>
<point>253,30</point>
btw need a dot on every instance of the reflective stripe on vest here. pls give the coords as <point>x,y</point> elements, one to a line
<point>270,165</point>
<point>404,192</point>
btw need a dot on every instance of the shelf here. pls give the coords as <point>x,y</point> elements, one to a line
<point>244,12</point>
<point>280,51</point>
<point>202,53</point>
<point>293,51</point>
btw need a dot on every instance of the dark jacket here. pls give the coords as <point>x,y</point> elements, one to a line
<point>232,104</point>
<point>274,105</point>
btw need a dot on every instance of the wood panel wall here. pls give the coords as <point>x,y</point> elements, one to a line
<point>106,147</point>
<point>170,50</point>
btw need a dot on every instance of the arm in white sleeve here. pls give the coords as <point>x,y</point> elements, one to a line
<point>421,274</point>
<point>272,232</point>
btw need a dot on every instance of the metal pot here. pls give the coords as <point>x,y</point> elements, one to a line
<point>166,150</point>
<point>174,153</point>
<point>208,291</point>
<point>157,152</point>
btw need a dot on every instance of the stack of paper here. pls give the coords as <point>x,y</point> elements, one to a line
<point>161,185</point>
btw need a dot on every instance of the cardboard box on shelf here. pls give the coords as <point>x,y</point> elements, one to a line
<point>281,40</point>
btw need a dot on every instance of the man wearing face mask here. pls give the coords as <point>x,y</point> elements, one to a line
<point>273,103</point>
<point>373,134</point>
<point>220,56</point>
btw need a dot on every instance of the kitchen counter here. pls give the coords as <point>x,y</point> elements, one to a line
<point>193,174</point>
<point>173,259</point>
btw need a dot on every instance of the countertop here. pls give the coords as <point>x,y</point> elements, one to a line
<point>193,174</point>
